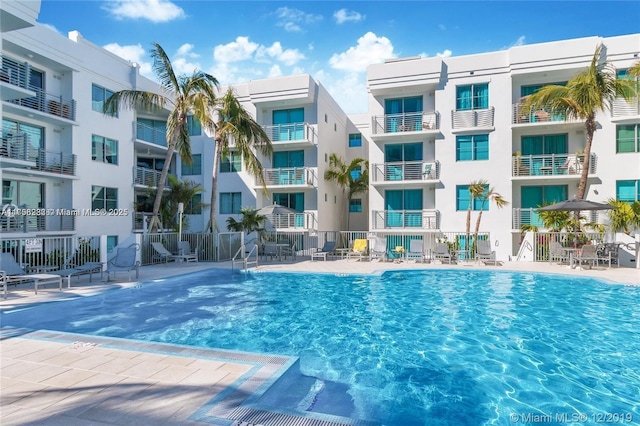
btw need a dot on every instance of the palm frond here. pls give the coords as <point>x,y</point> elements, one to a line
<point>133,99</point>
<point>163,69</point>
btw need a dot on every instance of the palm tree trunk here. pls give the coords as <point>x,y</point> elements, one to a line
<point>590,125</point>
<point>477,230</point>
<point>160,188</point>
<point>214,186</point>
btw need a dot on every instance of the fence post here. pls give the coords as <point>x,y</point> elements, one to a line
<point>103,250</point>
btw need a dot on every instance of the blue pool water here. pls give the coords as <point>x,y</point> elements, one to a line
<point>408,348</point>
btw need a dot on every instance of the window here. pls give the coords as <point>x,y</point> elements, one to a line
<point>403,208</point>
<point>231,163</point>
<point>194,206</point>
<point>112,242</point>
<point>294,201</point>
<point>193,126</point>
<point>532,197</point>
<point>356,173</point>
<point>284,159</point>
<point>529,90</point>
<point>355,206</point>
<point>230,202</point>
<point>104,198</point>
<point>463,198</point>
<point>104,150</point>
<point>474,96</point>
<point>288,124</point>
<point>19,133</point>
<point>472,147</point>
<point>403,152</point>
<point>153,131</point>
<point>195,168</point>
<point>355,140</point>
<point>628,138</point>
<point>99,96</point>
<point>403,105</point>
<point>544,144</point>
<point>628,190</point>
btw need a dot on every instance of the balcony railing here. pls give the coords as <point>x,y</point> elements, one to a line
<point>536,115</point>
<point>303,220</point>
<point>407,170</point>
<point>37,222</point>
<point>551,165</point>
<point>19,148</point>
<point>49,103</point>
<point>150,134</point>
<point>147,177</point>
<point>405,122</point>
<point>622,108</point>
<point>56,162</point>
<point>14,72</point>
<point>292,132</point>
<point>290,176</point>
<point>423,219</point>
<point>472,118</point>
<point>530,216</point>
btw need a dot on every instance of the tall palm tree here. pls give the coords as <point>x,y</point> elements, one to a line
<point>476,189</point>
<point>183,95</point>
<point>486,196</point>
<point>589,92</point>
<point>341,174</point>
<point>235,124</point>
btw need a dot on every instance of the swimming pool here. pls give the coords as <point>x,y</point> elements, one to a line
<point>425,347</point>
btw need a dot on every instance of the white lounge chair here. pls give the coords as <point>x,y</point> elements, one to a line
<point>484,252</point>
<point>87,268</point>
<point>165,255</point>
<point>12,273</point>
<point>379,249</point>
<point>124,260</point>
<point>587,255</point>
<point>328,247</point>
<point>441,252</point>
<point>557,253</point>
<point>416,250</point>
<point>184,250</point>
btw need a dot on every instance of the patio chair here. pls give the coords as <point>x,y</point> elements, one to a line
<point>165,255</point>
<point>608,253</point>
<point>328,247</point>
<point>270,249</point>
<point>86,268</point>
<point>288,251</point>
<point>184,250</point>
<point>416,250</point>
<point>124,260</point>
<point>358,249</point>
<point>12,273</point>
<point>557,253</point>
<point>484,252</point>
<point>441,252</point>
<point>379,249</point>
<point>587,255</point>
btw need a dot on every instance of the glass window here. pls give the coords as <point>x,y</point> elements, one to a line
<point>230,202</point>
<point>627,138</point>
<point>355,140</point>
<point>472,147</point>
<point>356,173</point>
<point>112,242</point>
<point>99,96</point>
<point>104,150</point>
<point>231,163</point>
<point>463,198</point>
<point>403,152</point>
<point>283,159</point>
<point>628,190</point>
<point>355,205</point>
<point>474,96</point>
<point>544,144</point>
<point>104,198</point>
<point>294,200</point>
<point>193,126</point>
<point>194,206</point>
<point>195,168</point>
<point>402,105</point>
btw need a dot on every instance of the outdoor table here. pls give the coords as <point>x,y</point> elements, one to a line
<point>571,251</point>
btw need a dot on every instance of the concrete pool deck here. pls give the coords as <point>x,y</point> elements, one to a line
<point>60,378</point>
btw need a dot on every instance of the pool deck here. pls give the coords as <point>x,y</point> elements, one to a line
<point>60,378</point>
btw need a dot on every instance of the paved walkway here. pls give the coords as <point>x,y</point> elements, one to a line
<point>50,378</point>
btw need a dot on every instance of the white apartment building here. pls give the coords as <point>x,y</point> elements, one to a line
<point>438,124</point>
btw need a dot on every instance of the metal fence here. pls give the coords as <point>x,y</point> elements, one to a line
<point>43,254</point>
<point>204,245</point>
<point>542,240</point>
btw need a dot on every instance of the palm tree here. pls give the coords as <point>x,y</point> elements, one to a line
<point>589,92</point>
<point>342,175</point>
<point>184,95</point>
<point>235,123</point>
<point>251,221</point>
<point>476,189</point>
<point>625,216</point>
<point>490,195</point>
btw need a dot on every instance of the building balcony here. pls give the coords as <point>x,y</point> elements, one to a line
<point>551,165</point>
<point>472,119</point>
<point>14,81</point>
<point>286,136</point>
<point>625,112</point>
<point>147,178</point>
<point>539,115</point>
<point>407,124</point>
<point>405,172</point>
<point>145,133</point>
<point>298,177</point>
<point>291,221</point>
<point>16,152</point>
<point>405,219</point>
<point>56,222</point>
<point>531,217</point>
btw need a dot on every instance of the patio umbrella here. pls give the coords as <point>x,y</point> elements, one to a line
<point>574,205</point>
<point>275,209</point>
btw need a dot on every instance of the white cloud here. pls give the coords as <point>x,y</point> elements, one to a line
<point>343,15</point>
<point>235,51</point>
<point>519,41</point>
<point>292,19</point>
<point>183,66</point>
<point>370,49</point>
<point>286,56</point>
<point>133,53</point>
<point>187,50</point>
<point>444,54</point>
<point>349,90</point>
<point>275,71</point>
<point>152,10</point>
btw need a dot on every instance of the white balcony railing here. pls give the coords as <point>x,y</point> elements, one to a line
<point>422,219</point>
<point>406,170</point>
<point>472,118</point>
<point>291,176</point>
<point>551,165</point>
<point>302,220</point>
<point>405,122</point>
<point>536,115</point>
<point>291,132</point>
<point>19,148</point>
<point>147,177</point>
<point>146,133</point>
<point>530,216</point>
<point>57,221</point>
<point>622,108</point>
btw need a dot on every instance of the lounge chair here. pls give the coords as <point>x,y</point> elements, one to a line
<point>441,252</point>
<point>484,252</point>
<point>270,249</point>
<point>587,255</point>
<point>124,260</point>
<point>12,273</point>
<point>87,268</point>
<point>165,255</point>
<point>379,249</point>
<point>288,251</point>
<point>328,247</point>
<point>358,249</point>
<point>608,253</point>
<point>416,250</point>
<point>557,253</point>
<point>184,250</point>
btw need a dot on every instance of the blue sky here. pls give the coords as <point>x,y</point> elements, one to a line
<point>334,41</point>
